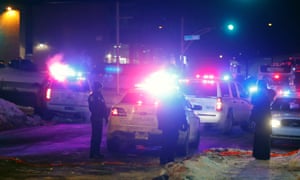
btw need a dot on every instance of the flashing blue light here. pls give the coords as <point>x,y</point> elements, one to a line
<point>226,77</point>
<point>112,69</point>
<point>253,89</point>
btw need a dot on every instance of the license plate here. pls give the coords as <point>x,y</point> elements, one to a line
<point>141,135</point>
<point>143,119</point>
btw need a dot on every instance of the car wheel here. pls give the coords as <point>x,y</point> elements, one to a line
<point>227,125</point>
<point>48,115</point>
<point>113,145</point>
<point>196,142</point>
<point>183,148</point>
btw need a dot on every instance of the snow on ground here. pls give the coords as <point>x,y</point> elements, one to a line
<point>217,163</point>
<point>11,116</point>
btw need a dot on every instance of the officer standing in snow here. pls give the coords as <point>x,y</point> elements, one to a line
<point>261,115</point>
<point>98,111</point>
<point>171,118</point>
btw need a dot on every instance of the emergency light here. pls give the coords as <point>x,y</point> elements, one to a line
<point>276,76</point>
<point>61,72</point>
<point>160,83</point>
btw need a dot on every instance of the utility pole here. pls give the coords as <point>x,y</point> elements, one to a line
<point>118,46</point>
<point>182,38</point>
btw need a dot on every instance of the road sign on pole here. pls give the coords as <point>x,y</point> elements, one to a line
<point>192,37</point>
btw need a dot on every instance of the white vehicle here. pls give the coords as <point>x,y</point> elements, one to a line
<point>217,102</point>
<point>133,121</point>
<point>67,96</point>
<point>285,120</point>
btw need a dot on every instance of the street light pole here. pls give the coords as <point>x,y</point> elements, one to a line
<point>118,46</point>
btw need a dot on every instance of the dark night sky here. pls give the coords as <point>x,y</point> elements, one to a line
<point>140,20</point>
<point>250,16</point>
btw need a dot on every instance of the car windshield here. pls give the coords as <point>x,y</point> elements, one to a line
<point>286,104</point>
<point>78,86</point>
<point>138,97</point>
<point>200,89</point>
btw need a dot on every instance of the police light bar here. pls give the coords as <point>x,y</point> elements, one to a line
<point>160,83</point>
<point>61,72</point>
<point>284,92</point>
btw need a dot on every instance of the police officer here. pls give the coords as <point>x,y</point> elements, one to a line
<point>261,115</point>
<point>98,111</point>
<point>171,118</point>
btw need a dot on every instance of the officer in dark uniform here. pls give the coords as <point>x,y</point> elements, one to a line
<point>261,115</point>
<point>98,110</point>
<point>171,118</point>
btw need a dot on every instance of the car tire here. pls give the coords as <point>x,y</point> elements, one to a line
<point>48,115</point>
<point>183,148</point>
<point>227,125</point>
<point>196,142</point>
<point>113,145</point>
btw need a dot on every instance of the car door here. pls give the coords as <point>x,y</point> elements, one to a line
<point>244,104</point>
<point>236,103</point>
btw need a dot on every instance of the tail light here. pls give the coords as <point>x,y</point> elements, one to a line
<point>219,105</point>
<point>118,112</point>
<point>48,94</point>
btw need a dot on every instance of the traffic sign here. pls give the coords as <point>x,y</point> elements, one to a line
<point>192,37</point>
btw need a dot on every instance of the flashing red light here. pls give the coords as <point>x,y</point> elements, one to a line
<point>48,94</point>
<point>276,76</point>
<point>219,105</point>
<point>209,76</point>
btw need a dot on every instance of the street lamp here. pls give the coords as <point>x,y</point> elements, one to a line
<point>10,30</point>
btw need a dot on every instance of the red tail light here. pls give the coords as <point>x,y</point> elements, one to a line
<point>219,105</point>
<point>118,112</point>
<point>48,94</point>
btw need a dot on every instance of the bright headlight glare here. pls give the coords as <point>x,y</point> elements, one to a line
<point>275,123</point>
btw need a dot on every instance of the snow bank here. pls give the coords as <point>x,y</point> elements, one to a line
<point>12,117</point>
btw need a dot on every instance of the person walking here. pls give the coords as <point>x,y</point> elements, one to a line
<point>261,115</point>
<point>171,118</point>
<point>98,111</point>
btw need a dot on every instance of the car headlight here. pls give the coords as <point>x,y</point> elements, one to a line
<point>275,123</point>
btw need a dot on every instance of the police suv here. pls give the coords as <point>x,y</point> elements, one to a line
<point>67,94</point>
<point>218,102</point>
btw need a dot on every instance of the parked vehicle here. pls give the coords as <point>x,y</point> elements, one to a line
<point>66,93</point>
<point>133,121</point>
<point>218,102</point>
<point>286,117</point>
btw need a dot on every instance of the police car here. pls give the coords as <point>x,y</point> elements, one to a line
<point>133,121</point>
<point>285,121</point>
<point>219,102</point>
<point>67,94</point>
